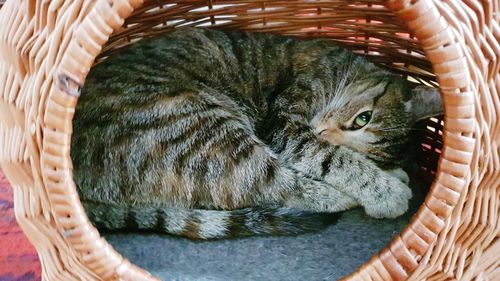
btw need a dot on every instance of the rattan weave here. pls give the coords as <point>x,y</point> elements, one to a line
<point>48,46</point>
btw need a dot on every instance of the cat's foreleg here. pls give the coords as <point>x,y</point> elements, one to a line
<point>319,196</point>
<point>380,193</point>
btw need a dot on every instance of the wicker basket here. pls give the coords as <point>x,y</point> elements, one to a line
<point>47,48</point>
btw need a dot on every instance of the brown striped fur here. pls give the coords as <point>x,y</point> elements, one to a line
<point>207,134</point>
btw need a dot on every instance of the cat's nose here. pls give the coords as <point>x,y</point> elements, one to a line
<point>331,135</point>
<point>321,131</point>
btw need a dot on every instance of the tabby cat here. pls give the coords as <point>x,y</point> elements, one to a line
<point>208,134</point>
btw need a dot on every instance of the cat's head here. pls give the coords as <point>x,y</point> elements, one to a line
<point>374,116</point>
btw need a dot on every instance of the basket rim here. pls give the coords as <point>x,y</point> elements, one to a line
<point>397,261</point>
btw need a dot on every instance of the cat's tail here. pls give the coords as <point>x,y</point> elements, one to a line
<point>207,224</point>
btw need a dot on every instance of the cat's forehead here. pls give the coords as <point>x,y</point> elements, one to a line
<point>359,95</point>
<point>337,112</point>
<point>355,94</point>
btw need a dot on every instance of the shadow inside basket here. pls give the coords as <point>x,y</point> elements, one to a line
<point>325,255</point>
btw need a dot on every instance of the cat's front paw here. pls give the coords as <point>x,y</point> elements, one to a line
<point>389,198</point>
<point>400,174</point>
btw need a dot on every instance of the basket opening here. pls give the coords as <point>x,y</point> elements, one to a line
<point>367,29</point>
<point>451,236</point>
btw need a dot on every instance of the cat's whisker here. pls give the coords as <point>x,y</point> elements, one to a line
<point>405,129</point>
<point>394,127</point>
<point>389,145</point>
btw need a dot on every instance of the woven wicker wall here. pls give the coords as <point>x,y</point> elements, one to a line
<point>48,47</point>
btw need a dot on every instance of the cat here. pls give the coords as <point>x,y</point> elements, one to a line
<point>210,134</point>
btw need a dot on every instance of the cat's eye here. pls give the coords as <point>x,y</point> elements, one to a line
<point>361,120</point>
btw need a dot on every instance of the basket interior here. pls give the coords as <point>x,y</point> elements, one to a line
<point>367,28</point>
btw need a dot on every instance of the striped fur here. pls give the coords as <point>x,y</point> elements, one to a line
<point>209,134</point>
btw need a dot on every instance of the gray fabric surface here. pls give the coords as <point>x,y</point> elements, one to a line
<point>326,255</point>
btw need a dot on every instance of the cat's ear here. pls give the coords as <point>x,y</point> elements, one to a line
<point>425,102</point>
